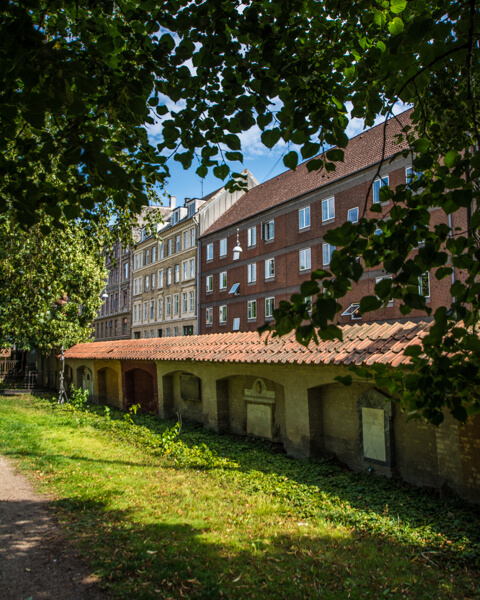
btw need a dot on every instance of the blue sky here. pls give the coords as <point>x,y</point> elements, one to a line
<point>261,161</point>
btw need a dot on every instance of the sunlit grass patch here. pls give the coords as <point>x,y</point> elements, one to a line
<point>214,516</point>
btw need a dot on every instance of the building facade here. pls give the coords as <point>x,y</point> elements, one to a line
<point>280,226</point>
<point>165,268</point>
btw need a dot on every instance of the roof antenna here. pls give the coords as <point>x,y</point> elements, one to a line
<point>201,182</point>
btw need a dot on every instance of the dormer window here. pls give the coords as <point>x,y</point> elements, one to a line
<point>191,209</point>
<point>175,217</point>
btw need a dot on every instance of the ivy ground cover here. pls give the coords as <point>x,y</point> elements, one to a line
<point>162,514</point>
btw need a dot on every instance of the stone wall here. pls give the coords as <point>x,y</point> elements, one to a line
<point>305,410</point>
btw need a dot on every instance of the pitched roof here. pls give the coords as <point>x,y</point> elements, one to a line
<point>365,343</point>
<point>362,151</point>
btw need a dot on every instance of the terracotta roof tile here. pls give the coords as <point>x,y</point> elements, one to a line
<point>362,151</point>
<point>363,344</point>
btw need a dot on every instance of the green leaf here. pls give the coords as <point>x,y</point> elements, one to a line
<point>291,160</point>
<point>397,6</point>
<point>336,155</point>
<point>451,158</point>
<point>369,304</point>
<point>346,380</point>
<point>221,171</point>
<point>270,137</point>
<point>395,26</point>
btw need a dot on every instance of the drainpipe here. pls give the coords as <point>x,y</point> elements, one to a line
<point>451,236</point>
<point>196,220</point>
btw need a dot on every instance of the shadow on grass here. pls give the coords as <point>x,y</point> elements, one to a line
<point>177,560</point>
<point>453,519</point>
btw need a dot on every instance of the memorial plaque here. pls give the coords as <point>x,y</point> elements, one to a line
<point>259,420</point>
<point>373,426</point>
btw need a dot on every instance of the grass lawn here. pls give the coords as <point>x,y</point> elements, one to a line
<point>215,516</point>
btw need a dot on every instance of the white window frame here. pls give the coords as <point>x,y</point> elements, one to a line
<point>185,270</point>
<point>160,279</point>
<point>159,309</point>
<point>168,307</point>
<point>327,251</point>
<point>269,268</point>
<point>252,273</point>
<point>184,303</point>
<point>209,283</point>
<point>222,313</point>
<point>252,236</point>
<point>223,247</point>
<point>169,276</point>
<point>420,284</point>
<point>269,307</point>
<point>209,316</point>
<point>350,214</point>
<point>304,218</point>
<point>305,259</point>
<point>268,228</point>
<point>376,187</point>
<point>222,280</point>
<point>176,304</point>
<point>209,252</point>
<point>176,276</point>
<point>191,300</point>
<point>252,310</point>
<point>145,287</point>
<point>192,268</point>
<point>328,209</point>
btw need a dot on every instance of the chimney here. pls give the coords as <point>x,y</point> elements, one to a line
<point>173,202</point>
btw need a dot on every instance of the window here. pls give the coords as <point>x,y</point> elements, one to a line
<point>184,303</point>
<point>125,271</point>
<point>251,236</point>
<point>209,283</point>
<point>353,311</point>
<point>192,268</point>
<point>252,273</point>
<point>169,247</point>
<point>125,299</point>
<point>145,312</point>
<point>192,302</point>
<point>328,209</point>
<point>159,309</point>
<point>192,237</point>
<point>167,332</point>
<point>269,230</point>
<point>176,304</point>
<point>160,279</point>
<point>222,313</point>
<point>146,283</point>
<point>159,332</point>
<point>185,270</point>
<point>124,326</point>
<point>153,282</point>
<point>235,289</point>
<point>304,218</point>
<point>147,257</point>
<point>327,251</point>
<point>252,310</point>
<point>352,215</point>
<point>177,243</point>
<point>209,251</point>
<point>208,316</point>
<point>135,288</point>
<point>188,330</point>
<point>424,285</point>
<point>223,280</point>
<point>269,268</point>
<point>168,306</point>
<point>136,335</point>
<point>185,240</point>
<point>152,310</point>
<point>223,247</point>
<point>305,262</point>
<point>377,185</point>
<point>160,250</point>
<point>191,209</point>
<point>269,307</point>
<point>378,280</point>
<point>154,254</point>
<point>169,275</point>
<point>175,217</point>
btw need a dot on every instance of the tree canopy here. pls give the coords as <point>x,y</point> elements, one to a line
<point>80,81</point>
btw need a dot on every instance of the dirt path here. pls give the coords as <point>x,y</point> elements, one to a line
<point>36,561</point>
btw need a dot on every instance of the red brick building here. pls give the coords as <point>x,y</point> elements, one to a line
<point>281,226</point>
